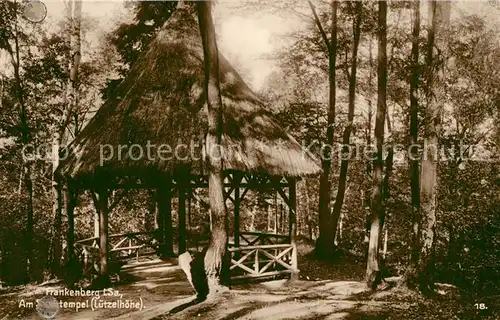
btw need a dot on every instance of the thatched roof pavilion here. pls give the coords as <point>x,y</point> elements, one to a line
<point>161,104</point>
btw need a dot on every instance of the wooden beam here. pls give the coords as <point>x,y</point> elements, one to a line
<point>262,275</point>
<point>237,216</point>
<point>252,181</point>
<point>240,261</point>
<point>227,194</point>
<point>160,220</point>
<point>164,200</point>
<point>237,199</point>
<point>182,217</point>
<point>103,232</point>
<point>293,228</point>
<point>70,204</point>
<point>266,246</point>
<point>244,193</point>
<point>276,259</point>
<point>285,197</point>
<point>95,200</point>
<point>229,177</point>
<point>167,217</point>
<point>254,185</point>
<point>189,221</point>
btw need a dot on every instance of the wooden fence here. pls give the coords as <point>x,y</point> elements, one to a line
<point>122,246</point>
<point>258,255</point>
<point>261,261</point>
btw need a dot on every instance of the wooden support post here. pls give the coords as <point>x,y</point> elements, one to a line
<point>150,217</point>
<point>293,227</point>
<point>57,244</point>
<point>237,217</point>
<point>96,213</point>
<point>237,201</point>
<point>160,220</point>
<point>282,222</point>
<point>189,224</point>
<point>70,203</point>
<point>103,232</point>
<point>96,224</point>
<point>164,201</point>
<point>276,230</point>
<point>182,216</point>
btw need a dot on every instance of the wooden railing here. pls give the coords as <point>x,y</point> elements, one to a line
<point>198,241</point>
<point>257,239</point>
<point>261,261</point>
<point>122,246</point>
<point>260,255</point>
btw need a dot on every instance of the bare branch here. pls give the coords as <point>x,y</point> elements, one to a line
<point>320,27</point>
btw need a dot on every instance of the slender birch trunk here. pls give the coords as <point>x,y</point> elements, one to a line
<point>25,138</point>
<point>373,272</point>
<point>74,15</point>
<point>438,17</point>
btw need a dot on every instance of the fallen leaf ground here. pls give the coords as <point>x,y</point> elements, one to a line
<point>326,290</point>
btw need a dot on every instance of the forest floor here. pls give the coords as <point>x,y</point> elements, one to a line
<point>326,290</point>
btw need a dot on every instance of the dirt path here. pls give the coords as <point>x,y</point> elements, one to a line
<point>273,300</point>
<point>157,289</point>
<point>162,288</point>
<point>153,288</point>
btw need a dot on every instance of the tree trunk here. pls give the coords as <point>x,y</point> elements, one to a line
<point>25,138</point>
<point>269,219</point>
<point>385,197</point>
<point>57,212</point>
<point>297,215</point>
<point>103,236</point>
<point>386,238</point>
<point>29,221</point>
<point>95,201</point>
<point>373,273</point>
<point>324,247</point>
<point>338,234</point>
<point>74,19</point>
<point>438,16</point>
<point>252,217</point>
<point>276,229</point>
<point>281,222</point>
<point>366,190</point>
<point>218,239</point>
<point>339,200</point>
<point>150,215</point>
<point>308,212</point>
<point>292,228</point>
<point>163,201</point>
<point>70,196</point>
<point>413,152</point>
<point>181,217</point>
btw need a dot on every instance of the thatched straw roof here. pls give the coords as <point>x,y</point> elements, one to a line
<point>161,103</point>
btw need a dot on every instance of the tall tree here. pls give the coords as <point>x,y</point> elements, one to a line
<point>373,273</point>
<point>130,39</point>
<point>10,37</point>
<point>346,137</point>
<point>218,238</point>
<point>413,152</point>
<point>74,16</point>
<point>438,18</point>
<point>325,241</point>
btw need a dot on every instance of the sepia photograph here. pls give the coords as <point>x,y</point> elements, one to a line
<point>250,159</point>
